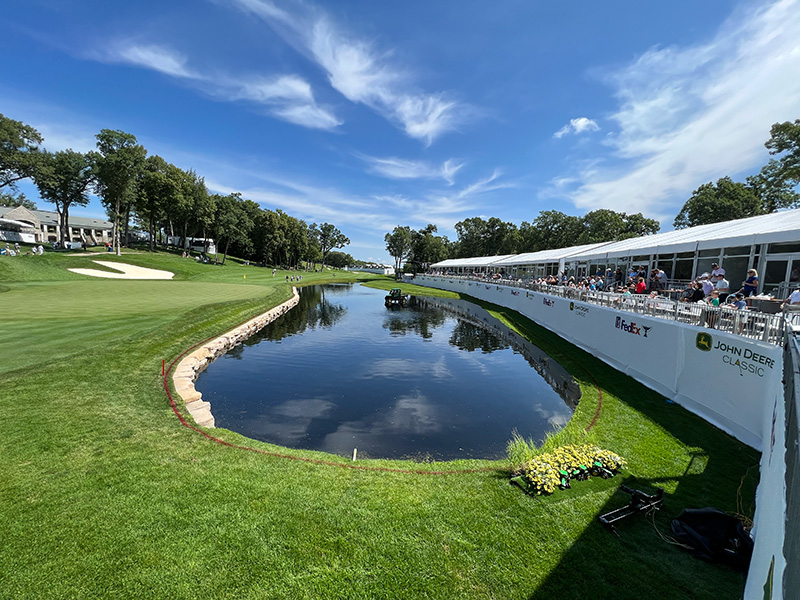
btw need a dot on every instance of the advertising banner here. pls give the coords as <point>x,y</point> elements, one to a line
<point>724,378</point>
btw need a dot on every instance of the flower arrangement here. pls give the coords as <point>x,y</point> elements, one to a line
<point>546,472</point>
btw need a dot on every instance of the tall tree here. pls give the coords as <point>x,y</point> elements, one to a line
<point>550,229</point>
<point>717,202</point>
<point>329,238</point>
<point>64,178</point>
<point>479,237</point>
<point>785,139</point>
<point>428,248</point>
<point>399,245</point>
<point>231,222</point>
<point>19,152</point>
<point>157,189</point>
<point>117,164</point>
<point>773,189</point>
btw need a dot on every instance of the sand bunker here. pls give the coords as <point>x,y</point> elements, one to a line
<point>126,271</point>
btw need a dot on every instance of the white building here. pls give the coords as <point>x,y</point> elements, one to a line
<point>44,226</point>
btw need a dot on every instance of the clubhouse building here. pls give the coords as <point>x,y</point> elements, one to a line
<point>19,224</point>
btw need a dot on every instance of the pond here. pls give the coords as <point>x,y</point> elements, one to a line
<point>439,379</point>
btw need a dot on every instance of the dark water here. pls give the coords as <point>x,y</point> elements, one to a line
<point>437,379</point>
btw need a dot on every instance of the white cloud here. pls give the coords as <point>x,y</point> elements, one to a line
<point>694,114</point>
<point>362,73</point>
<point>398,168</point>
<point>157,58</point>
<point>287,97</point>
<point>578,125</point>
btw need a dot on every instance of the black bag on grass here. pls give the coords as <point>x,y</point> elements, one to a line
<point>714,536</point>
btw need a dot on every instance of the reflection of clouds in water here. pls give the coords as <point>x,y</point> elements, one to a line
<point>311,408</point>
<point>479,362</point>
<point>557,418</point>
<point>410,415</point>
<point>289,422</point>
<point>407,367</point>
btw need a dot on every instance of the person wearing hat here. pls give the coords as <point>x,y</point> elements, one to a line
<point>708,286</point>
<point>717,272</point>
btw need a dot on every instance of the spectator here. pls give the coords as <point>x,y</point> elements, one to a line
<point>722,286</point>
<point>717,272</point>
<point>793,299</point>
<point>708,286</point>
<point>641,286</point>
<point>750,285</point>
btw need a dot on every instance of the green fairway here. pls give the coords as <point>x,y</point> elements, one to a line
<point>103,494</point>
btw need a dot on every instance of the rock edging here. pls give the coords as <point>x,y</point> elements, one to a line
<point>195,363</point>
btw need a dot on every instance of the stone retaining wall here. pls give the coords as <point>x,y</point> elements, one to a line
<point>195,363</point>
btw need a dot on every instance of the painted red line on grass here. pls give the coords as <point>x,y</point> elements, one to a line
<point>315,461</point>
<point>599,402</point>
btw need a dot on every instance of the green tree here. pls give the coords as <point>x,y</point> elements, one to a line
<point>479,237</point>
<point>717,202</point>
<point>399,245</point>
<point>785,139</point>
<point>158,189</point>
<point>19,152</point>
<point>64,178</point>
<point>339,260</point>
<point>117,165</point>
<point>428,248</point>
<point>329,238</point>
<point>18,199</point>
<point>550,229</point>
<point>604,225</point>
<point>231,221</point>
<point>773,189</point>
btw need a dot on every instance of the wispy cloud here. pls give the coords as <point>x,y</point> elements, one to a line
<point>398,168</point>
<point>155,57</point>
<point>361,72</point>
<point>578,125</point>
<point>287,97</point>
<point>690,115</point>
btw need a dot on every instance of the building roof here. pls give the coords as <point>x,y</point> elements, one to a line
<point>477,261</point>
<point>783,226</point>
<point>51,218</point>
<point>547,256</point>
<point>48,217</point>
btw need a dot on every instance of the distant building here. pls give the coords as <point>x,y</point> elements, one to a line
<point>19,224</point>
<point>378,269</point>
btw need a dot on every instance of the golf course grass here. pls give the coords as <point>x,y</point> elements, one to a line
<point>104,494</point>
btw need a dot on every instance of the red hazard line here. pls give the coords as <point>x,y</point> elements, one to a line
<point>315,461</point>
<point>599,402</point>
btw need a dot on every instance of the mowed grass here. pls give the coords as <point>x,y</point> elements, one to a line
<point>103,494</point>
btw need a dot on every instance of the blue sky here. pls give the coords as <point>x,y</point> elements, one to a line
<point>373,114</point>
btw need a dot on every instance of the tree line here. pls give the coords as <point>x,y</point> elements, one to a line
<point>491,237</point>
<point>158,197</point>
<point>772,189</point>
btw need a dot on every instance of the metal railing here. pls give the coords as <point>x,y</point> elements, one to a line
<point>747,323</point>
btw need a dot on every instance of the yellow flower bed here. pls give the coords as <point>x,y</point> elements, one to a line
<point>546,472</point>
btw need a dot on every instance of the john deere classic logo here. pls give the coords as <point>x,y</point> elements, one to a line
<point>703,342</point>
<point>572,306</point>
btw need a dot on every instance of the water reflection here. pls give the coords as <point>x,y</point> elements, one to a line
<point>440,378</point>
<point>480,330</point>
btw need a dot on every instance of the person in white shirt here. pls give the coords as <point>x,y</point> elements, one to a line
<point>717,272</point>
<point>723,286</point>
<point>794,298</point>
